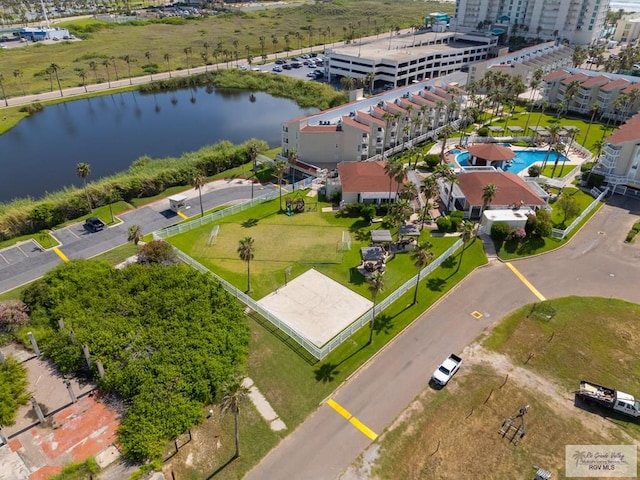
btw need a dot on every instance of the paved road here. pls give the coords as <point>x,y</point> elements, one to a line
<point>25,263</point>
<point>596,262</point>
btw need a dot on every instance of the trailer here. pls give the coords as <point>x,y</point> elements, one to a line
<point>609,398</point>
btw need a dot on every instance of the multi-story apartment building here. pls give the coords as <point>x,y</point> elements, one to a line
<point>400,60</point>
<point>580,22</point>
<point>547,57</point>
<point>620,159</point>
<point>616,97</point>
<point>365,129</point>
<point>627,28</point>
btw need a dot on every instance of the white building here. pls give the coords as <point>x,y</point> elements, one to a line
<point>367,128</point>
<point>627,28</point>
<point>404,59</point>
<point>580,22</point>
<point>619,161</point>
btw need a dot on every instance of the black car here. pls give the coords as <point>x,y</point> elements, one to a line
<point>280,62</point>
<point>94,224</point>
<point>286,66</point>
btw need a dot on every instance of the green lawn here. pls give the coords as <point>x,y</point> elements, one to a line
<point>582,198</point>
<point>301,241</point>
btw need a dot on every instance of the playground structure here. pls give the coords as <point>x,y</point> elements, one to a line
<point>511,430</point>
<point>295,205</point>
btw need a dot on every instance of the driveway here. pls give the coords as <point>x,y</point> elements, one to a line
<point>595,262</point>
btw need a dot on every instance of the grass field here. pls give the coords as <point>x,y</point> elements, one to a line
<point>453,433</point>
<point>302,241</point>
<point>112,41</point>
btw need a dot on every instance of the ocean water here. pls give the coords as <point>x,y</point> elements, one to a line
<point>626,5</point>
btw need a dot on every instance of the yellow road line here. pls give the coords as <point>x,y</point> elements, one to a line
<point>527,283</point>
<point>363,428</point>
<point>60,254</point>
<point>339,408</point>
<point>182,215</point>
<point>352,420</point>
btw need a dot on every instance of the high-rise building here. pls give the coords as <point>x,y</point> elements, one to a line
<point>580,22</point>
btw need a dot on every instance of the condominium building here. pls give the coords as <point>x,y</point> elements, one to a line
<point>547,57</point>
<point>580,22</point>
<point>620,159</point>
<point>627,28</point>
<point>613,96</point>
<point>399,60</point>
<point>367,128</point>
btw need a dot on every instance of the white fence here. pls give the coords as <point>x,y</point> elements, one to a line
<point>318,352</point>
<point>561,234</point>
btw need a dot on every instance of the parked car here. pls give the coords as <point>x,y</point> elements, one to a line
<point>244,67</point>
<point>286,66</point>
<point>295,59</point>
<point>296,65</point>
<point>280,62</point>
<point>609,398</point>
<point>256,69</point>
<point>276,69</point>
<point>94,224</point>
<point>305,56</point>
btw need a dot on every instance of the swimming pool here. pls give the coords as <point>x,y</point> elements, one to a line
<point>523,159</point>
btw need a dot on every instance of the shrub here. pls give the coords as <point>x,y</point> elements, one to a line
<point>13,391</point>
<point>534,170</point>
<point>456,219</point>
<point>586,166</point>
<point>368,211</point>
<point>444,224</point>
<point>432,160</point>
<point>543,224</point>
<point>499,232</point>
<point>13,313</point>
<point>595,180</point>
<point>483,132</point>
<point>157,251</point>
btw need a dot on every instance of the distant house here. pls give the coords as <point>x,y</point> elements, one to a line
<point>363,182</point>
<point>511,192</point>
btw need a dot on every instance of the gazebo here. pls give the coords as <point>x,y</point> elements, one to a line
<point>381,236</point>
<point>482,154</point>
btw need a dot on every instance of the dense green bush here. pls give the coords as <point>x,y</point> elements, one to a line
<point>444,224</point>
<point>594,180</point>
<point>499,232</point>
<point>586,166</point>
<point>534,170</point>
<point>455,218</point>
<point>432,160</point>
<point>169,339</point>
<point>483,132</point>
<point>13,390</point>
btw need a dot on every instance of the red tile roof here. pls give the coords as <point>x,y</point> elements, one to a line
<point>370,118</point>
<point>491,151</point>
<point>422,101</point>
<point>510,188</point>
<point>360,177</point>
<point>619,83</point>
<point>351,122</point>
<point>597,80</point>
<point>319,128</point>
<point>555,75</point>
<point>632,87</point>
<point>578,77</point>
<point>408,103</point>
<point>628,132</point>
<point>393,106</point>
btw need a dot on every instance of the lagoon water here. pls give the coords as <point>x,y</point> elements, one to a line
<point>40,154</point>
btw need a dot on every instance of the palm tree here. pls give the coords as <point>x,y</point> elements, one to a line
<point>83,170</point>
<point>187,53</point>
<point>466,229</point>
<point>166,59</point>
<point>93,66</point>
<point>347,82</point>
<point>445,133</point>
<point>400,212</point>
<point>558,148</point>
<point>421,256</point>
<point>430,189</point>
<point>83,76</point>
<point>246,250</point>
<point>205,59</point>
<point>135,234</point>
<point>233,397</point>
<point>17,73</point>
<point>127,59</point>
<point>533,85</point>
<point>106,64</point>
<point>115,66</point>
<point>263,43</point>
<point>4,95</point>
<point>198,182</point>
<point>594,109</point>
<point>292,157</point>
<point>147,55</point>
<point>392,168</point>
<point>375,286</point>
<point>274,43</point>
<point>54,68</point>
<point>488,193</point>
<point>235,44</point>
<point>599,145</point>
<point>278,168</point>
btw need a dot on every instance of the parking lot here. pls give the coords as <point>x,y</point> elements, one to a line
<point>294,67</point>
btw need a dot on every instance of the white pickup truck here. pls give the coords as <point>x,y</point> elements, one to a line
<point>446,370</point>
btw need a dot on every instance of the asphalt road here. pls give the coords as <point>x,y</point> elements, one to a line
<point>24,263</point>
<point>596,262</point>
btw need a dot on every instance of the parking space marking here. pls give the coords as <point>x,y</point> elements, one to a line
<point>4,259</point>
<point>22,251</point>
<point>183,215</point>
<point>526,282</point>
<point>60,254</point>
<point>72,233</point>
<point>477,315</point>
<point>352,420</point>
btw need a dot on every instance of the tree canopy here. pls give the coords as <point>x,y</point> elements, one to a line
<point>169,338</point>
